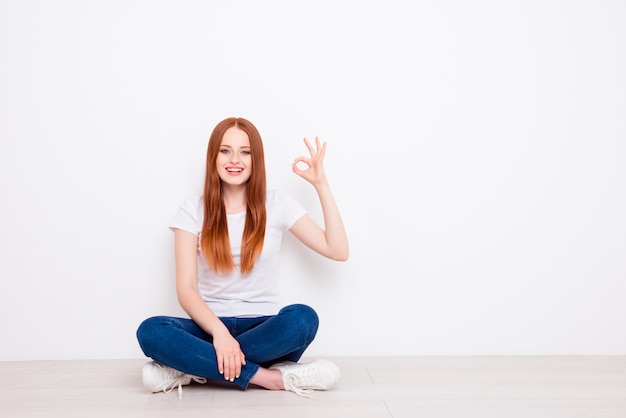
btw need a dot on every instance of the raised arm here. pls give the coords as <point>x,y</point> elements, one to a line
<point>330,241</point>
<point>230,358</point>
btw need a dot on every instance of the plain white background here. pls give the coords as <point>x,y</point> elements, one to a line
<point>475,148</point>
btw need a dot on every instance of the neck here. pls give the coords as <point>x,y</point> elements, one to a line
<point>234,199</point>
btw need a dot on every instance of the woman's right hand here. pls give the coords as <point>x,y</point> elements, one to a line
<point>230,358</point>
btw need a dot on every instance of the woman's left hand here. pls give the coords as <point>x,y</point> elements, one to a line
<point>314,172</point>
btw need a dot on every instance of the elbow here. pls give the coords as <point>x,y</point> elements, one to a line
<point>184,293</point>
<point>341,255</point>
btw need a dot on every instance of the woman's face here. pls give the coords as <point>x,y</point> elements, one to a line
<point>234,160</point>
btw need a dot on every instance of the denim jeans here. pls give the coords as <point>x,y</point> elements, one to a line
<point>181,344</point>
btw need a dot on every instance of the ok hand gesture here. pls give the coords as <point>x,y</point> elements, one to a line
<point>314,172</point>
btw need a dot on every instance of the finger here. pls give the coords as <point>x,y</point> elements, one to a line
<point>321,149</point>
<point>240,364</point>
<point>229,369</point>
<point>309,146</point>
<point>237,369</point>
<point>303,160</point>
<point>220,363</point>
<point>233,369</point>
<point>296,169</point>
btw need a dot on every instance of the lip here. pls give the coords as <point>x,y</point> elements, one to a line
<point>234,171</point>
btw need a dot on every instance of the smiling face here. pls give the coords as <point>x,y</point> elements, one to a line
<point>234,159</point>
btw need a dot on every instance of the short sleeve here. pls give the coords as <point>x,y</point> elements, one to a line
<point>291,210</point>
<point>188,217</point>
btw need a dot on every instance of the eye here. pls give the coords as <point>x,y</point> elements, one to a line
<point>224,150</point>
<point>246,152</point>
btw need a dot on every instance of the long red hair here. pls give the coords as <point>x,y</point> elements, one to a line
<point>214,240</point>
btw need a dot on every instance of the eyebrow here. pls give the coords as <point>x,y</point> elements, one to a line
<point>228,146</point>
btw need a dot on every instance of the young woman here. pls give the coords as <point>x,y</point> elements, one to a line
<point>227,243</point>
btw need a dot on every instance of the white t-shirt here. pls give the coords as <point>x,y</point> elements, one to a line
<point>233,294</point>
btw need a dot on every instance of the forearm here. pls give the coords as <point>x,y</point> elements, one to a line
<point>334,230</point>
<point>197,309</point>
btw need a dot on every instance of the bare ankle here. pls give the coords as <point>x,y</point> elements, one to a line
<point>268,379</point>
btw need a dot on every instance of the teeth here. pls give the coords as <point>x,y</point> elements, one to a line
<point>234,170</point>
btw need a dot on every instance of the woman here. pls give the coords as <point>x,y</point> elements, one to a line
<point>227,243</point>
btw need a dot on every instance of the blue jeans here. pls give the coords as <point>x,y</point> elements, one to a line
<point>184,346</point>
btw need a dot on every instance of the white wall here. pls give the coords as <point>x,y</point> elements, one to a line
<point>476,150</point>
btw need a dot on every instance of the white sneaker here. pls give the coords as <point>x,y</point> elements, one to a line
<point>157,378</point>
<point>304,378</point>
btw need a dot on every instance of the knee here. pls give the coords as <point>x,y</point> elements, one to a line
<point>148,332</point>
<point>303,316</point>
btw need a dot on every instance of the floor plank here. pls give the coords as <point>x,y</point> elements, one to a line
<point>397,387</point>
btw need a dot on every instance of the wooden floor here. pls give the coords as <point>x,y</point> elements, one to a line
<point>429,387</point>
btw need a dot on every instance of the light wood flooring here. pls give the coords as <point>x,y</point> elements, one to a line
<point>429,387</point>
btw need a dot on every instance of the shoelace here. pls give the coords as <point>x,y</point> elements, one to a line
<point>173,381</point>
<point>304,381</point>
<point>295,384</point>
